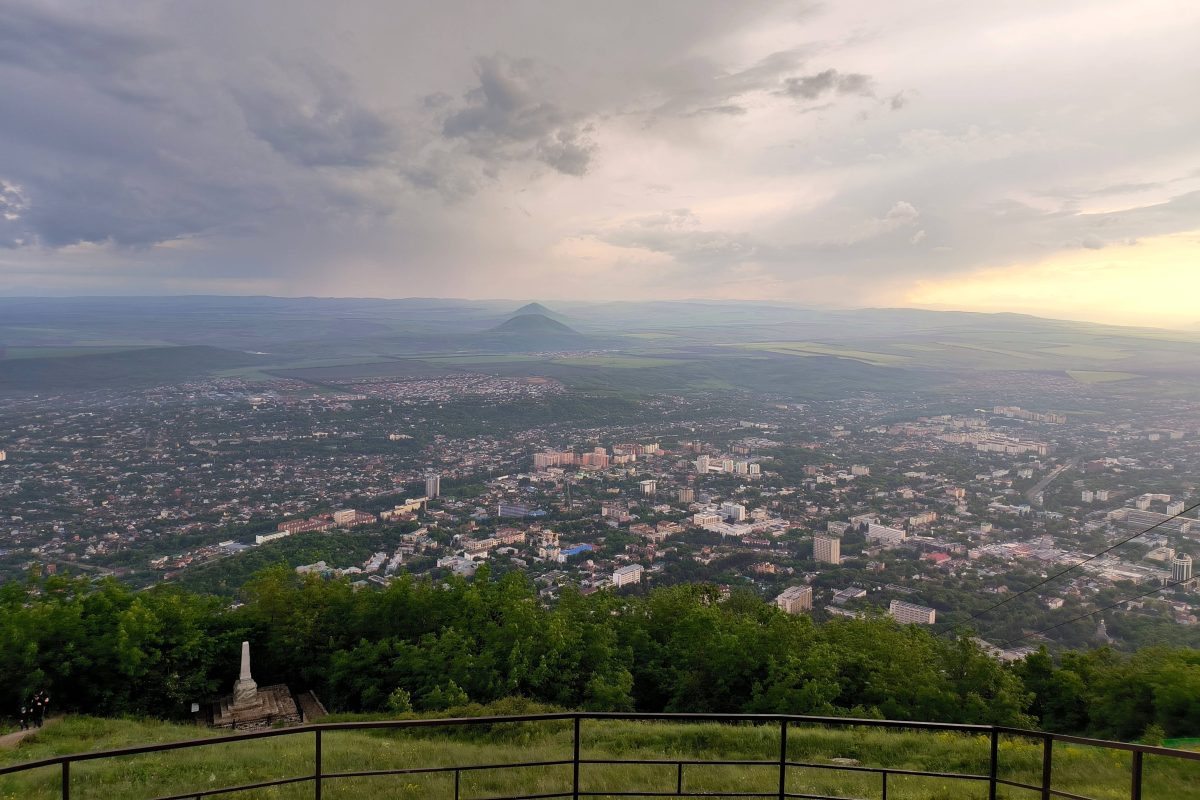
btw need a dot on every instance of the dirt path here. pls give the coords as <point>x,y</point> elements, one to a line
<point>12,739</point>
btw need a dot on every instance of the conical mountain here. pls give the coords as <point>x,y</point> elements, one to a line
<point>538,309</point>
<point>534,325</point>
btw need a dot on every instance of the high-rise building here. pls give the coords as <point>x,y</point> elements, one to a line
<point>433,485</point>
<point>911,613</point>
<point>597,458</point>
<point>702,465</point>
<point>3,456</point>
<point>627,575</point>
<point>1181,568</point>
<point>827,549</point>
<point>649,487</point>
<point>795,599</point>
<point>687,495</point>
<point>735,512</point>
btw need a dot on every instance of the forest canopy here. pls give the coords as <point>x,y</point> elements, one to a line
<point>431,645</point>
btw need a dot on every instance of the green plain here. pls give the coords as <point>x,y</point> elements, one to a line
<point>816,349</point>
<point>1093,376</point>
<point>617,362</point>
<point>1096,352</point>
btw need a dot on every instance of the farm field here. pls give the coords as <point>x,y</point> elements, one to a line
<point>816,349</point>
<point>1098,376</point>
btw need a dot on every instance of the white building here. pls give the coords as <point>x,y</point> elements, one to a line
<point>624,576</point>
<point>827,549</point>
<point>433,486</point>
<point>795,599</point>
<point>911,613</point>
<point>649,487</point>
<point>344,516</point>
<point>702,464</point>
<point>734,512</point>
<point>883,535</point>
<point>1181,568</point>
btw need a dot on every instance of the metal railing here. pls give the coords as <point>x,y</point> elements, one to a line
<point>319,777</point>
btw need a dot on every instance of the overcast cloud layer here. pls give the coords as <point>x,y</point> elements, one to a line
<point>825,155</point>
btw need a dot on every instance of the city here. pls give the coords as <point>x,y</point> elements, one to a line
<point>840,508</point>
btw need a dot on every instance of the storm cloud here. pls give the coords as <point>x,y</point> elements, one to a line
<point>819,153</point>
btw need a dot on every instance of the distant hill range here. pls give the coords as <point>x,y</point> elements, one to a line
<point>626,346</point>
<point>143,366</point>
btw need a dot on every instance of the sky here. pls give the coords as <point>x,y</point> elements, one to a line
<point>1019,156</point>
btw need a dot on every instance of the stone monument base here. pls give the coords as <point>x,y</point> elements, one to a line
<point>272,704</point>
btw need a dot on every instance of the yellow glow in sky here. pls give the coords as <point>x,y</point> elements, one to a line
<point>1154,282</point>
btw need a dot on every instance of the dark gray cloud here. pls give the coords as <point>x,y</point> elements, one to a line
<point>383,147</point>
<point>314,120</point>
<point>811,87</point>
<point>122,138</point>
<point>507,117</point>
<point>725,109</point>
<point>566,151</point>
<point>42,39</point>
<point>697,86</point>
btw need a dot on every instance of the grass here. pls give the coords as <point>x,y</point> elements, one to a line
<point>60,352</point>
<point>482,358</point>
<point>1086,771</point>
<point>996,350</point>
<point>815,349</point>
<point>1090,351</point>
<point>1099,376</point>
<point>617,362</point>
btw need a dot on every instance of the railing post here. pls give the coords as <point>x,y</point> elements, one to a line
<point>575,764</point>
<point>1047,761</point>
<point>783,726</point>
<point>1135,787</point>
<point>317,764</point>
<point>884,773</point>
<point>679,778</point>
<point>993,765</point>
<point>66,780</point>
<point>457,774</point>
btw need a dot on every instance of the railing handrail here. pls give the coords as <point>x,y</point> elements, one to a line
<point>783,720</point>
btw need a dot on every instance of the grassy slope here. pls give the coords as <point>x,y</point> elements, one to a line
<point>1080,770</point>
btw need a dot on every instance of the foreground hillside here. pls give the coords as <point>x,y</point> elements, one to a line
<point>107,650</point>
<point>1079,770</point>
